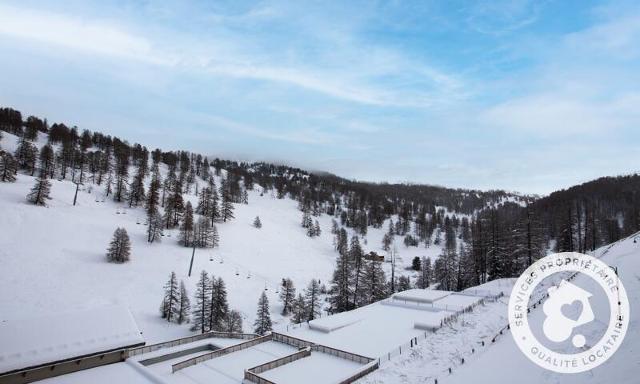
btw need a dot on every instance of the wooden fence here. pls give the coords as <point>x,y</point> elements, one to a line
<point>186,340</point>
<point>220,352</point>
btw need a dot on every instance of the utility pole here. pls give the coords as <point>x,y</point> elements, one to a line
<point>393,269</point>
<point>75,197</point>
<point>193,253</point>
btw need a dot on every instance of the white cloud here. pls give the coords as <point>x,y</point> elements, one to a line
<point>618,37</point>
<point>500,17</point>
<point>564,115</point>
<point>300,136</point>
<point>75,33</point>
<point>233,57</point>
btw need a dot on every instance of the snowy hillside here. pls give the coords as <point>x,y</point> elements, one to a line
<point>53,258</point>
<point>502,361</point>
<point>53,261</point>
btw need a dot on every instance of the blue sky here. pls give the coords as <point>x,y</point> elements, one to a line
<point>529,96</point>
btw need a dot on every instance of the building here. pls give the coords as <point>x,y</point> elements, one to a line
<point>372,256</point>
<point>39,348</point>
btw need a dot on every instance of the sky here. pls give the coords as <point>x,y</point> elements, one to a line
<point>528,96</point>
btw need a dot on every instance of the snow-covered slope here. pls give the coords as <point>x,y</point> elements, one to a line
<point>53,259</point>
<point>502,361</point>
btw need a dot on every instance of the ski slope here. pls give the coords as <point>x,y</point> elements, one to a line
<point>53,259</point>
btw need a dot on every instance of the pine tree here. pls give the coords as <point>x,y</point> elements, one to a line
<point>169,308</point>
<point>307,222</point>
<point>8,167</point>
<point>356,258</point>
<point>316,229</point>
<point>186,229</point>
<point>391,231</point>
<point>445,270</point>
<point>386,242</point>
<point>174,205</point>
<point>205,235</point>
<point>340,291</point>
<point>40,192</point>
<point>424,279</point>
<point>311,232</point>
<point>215,238</point>
<point>374,282</point>
<point>404,283</point>
<point>416,264</point>
<point>26,155</point>
<point>299,310</point>
<point>204,202</point>
<point>233,322</point>
<point>287,296</point>
<point>184,306</point>
<point>104,164</point>
<point>219,305</point>
<point>226,208</point>
<point>334,227</point>
<point>120,247</point>
<point>312,300</point>
<point>121,176</point>
<point>262,325</point>
<point>155,227</point>
<point>46,158</point>
<point>154,219</point>
<point>167,184</point>
<point>342,243</point>
<point>214,210</point>
<point>108,184</point>
<point>257,223</point>
<point>202,309</point>
<point>136,189</point>
<point>466,268</point>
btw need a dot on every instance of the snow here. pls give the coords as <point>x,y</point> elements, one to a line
<point>332,323</point>
<point>318,368</point>
<point>493,288</point>
<point>37,340</point>
<point>457,302</point>
<point>502,361</point>
<point>213,341</point>
<point>421,295</point>
<point>52,262</point>
<point>621,368</point>
<point>434,300</point>
<point>224,369</point>
<point>372,330</point>
<point>230,368</point>
<point>40,247</point>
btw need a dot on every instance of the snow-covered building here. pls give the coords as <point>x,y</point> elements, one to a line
<point>384,326</point>
<point>41,347</point>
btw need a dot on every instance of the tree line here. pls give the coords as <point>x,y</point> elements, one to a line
<point>484,234</point>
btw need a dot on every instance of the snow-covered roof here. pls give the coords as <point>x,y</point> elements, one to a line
<point>372,330</point>
<point>39,340</point>
<point>421,295</point>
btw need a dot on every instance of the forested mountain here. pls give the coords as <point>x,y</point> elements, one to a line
<point>485,234</point>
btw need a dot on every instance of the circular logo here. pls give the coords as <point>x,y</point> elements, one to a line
<point>557,327</point>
